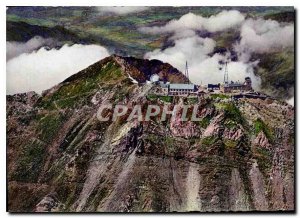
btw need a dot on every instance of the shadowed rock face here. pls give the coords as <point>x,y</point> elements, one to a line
<point>239,157</point>
<point>149,67</point>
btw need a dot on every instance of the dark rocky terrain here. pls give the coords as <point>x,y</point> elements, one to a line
<point>60,157</point>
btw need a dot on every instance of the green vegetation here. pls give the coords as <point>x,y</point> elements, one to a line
<point>233,113</point>
<point>264,159</point>
<point>226,39</point>
<point>153,138</point>
<point>221,96</point>
<point>30,162</point>
<point>73,100</point>
<point>192,100</point>
<point>209,140</point>
<point>124,90</point>
<point>79,91</point>
<point>259,126</point>
<point>220,105</point>
<point>158,139</point>
<point>169,140</point>
<point>204,122</point>
<point>153,97</point>
<point>230,143</point>
<point>118,34</point>
<point>166,98</point>
<point>108,74</point>
<point>48,126</point>
<point>230,123</point>
<point>32,21</point>
<point>171,145</point>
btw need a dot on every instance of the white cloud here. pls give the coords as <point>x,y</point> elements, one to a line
<point>291,101</point>
<point>121,10</point>
<point>43,69</point>
<point>191,49</point>
<point>263,36</point>
<point>202,67</point>
<point>260,36</point>
<point>220,22</point>
<point>14,49</point>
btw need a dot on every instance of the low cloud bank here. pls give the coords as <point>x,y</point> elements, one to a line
<point>220,22</point>
<point>264,36</point>
<point>14,49</point>
<point>42,69</point>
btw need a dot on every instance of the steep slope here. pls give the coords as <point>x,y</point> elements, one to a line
<point>277,72</point>
<point>238,157</point>
<point>22,32</point>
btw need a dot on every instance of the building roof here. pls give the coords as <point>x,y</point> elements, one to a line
<point>235,85</point>
<point>182,86</point>
<point>213,85</point>
<point>163,85</point>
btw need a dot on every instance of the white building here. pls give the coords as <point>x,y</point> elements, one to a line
<point>181,89</point>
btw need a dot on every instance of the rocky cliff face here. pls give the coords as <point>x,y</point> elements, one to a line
<point>238,157</point>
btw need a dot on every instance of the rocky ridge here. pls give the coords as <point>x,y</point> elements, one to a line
<point>239,157</point>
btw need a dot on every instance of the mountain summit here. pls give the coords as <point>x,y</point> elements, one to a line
<point>238,157</point>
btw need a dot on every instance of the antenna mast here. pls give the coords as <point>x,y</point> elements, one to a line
<point>226,75</point>
<point>186,73</point>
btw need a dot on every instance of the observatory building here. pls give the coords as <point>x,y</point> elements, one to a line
<point>235,86</point>
<point>181,89</point>
<point>173,89</point>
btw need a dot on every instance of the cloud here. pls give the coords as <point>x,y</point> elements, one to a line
<point>291,101</point>
<point>121,10</point>
<point>203,68</point>
<point>264,36</point>
<point>210,71</point>
<point>14,49</point>
<point>191,49</point>
<point>42,69</point>
<point>220,22</point>
<point>256,35</point>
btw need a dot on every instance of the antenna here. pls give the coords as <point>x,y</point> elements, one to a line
<point>226,75</point>
<point>186,73</point>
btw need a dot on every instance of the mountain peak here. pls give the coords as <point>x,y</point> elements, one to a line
<point>139,69</point>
